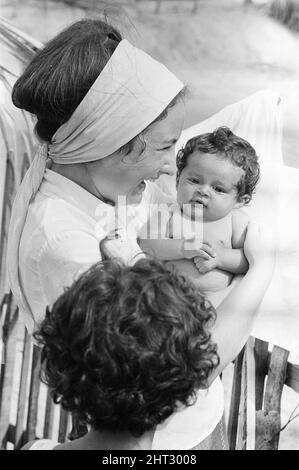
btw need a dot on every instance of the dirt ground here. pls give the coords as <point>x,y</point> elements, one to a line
<point>224,52</point>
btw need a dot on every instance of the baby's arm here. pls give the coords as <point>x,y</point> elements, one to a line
<point>232,259</point>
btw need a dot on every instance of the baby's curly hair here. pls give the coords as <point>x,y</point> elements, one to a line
<point>226,144</point>
<point>123,347</point>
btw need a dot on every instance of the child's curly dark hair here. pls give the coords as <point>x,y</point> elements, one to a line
<point>124,346</point>
<point>228,145</point>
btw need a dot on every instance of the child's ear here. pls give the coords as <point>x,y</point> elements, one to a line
<point>242,200</point>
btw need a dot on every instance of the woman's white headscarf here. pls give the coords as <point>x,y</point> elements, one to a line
<point>132,90</point>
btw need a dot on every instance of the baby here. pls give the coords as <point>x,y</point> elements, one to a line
<point>217,173</point>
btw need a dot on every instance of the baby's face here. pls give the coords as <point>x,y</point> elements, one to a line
<point>210,182</point>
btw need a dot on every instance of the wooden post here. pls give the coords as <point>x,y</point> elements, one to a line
<point>250,399</point>
<point>261,364</point>
<point>10,328</point>
<point>22,401</point>
<point>49,416</point>
<point>63,425</point>
<point>232,428</point>
<point>7,205</point>
<point>242,418</point>
<point>33,395</point>
<point>268,420</point>
<point>292,376</point>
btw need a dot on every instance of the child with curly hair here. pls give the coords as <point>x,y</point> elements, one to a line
<point>124,348</point>
<point>136,352</point>
<point>217,174</point>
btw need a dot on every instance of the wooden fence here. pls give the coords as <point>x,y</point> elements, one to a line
<point>254,421</point>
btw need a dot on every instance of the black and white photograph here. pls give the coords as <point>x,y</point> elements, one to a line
<point>149,227</point>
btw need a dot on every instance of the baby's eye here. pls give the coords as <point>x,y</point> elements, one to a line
<point>218,189</point>
<point>193,180</point>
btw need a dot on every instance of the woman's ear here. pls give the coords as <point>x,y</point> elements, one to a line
<point>242,200</point>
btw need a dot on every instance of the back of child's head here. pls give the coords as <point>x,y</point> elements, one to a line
<point>225,144</point>
<point>125,346</point>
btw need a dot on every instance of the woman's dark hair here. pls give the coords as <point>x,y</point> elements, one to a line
<point>62,72</point>
<point>226,144</point>
<point>125,346</point>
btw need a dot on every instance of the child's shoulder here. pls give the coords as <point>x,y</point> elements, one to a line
<point>240,220</point>
<point>240,217</point>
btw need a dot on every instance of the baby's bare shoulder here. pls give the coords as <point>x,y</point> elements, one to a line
<point>240,220</point>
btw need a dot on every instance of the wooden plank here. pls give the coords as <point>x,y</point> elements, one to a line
<point>276,378</point>
<point>261,369</point>
<point>292,376</point>
<point>3,159</point>
<point>7,204</point>
<point>232,428</point>
<point>242,418</point>
<point>49,416</point>
<point>11,432</point>
<point>63,425</point>
<point>22,401</point>
<point>33,395</point>
<point>250,388</point>
<point>273,392</point>
<point>7,374</point>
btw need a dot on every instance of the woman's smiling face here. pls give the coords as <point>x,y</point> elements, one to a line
<point>121,175</point>
<point>210,182</point>
<point>156,159</point>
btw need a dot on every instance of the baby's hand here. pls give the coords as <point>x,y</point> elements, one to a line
<point>205,265</point>
<point>195,247</point>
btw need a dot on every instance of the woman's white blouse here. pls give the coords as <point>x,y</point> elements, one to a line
<point>64,226</point>
<point>63,229</point>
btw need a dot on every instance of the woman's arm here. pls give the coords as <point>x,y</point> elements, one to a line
<point>237,312</point>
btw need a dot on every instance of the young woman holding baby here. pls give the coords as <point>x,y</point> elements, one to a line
<point>108,116</point>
